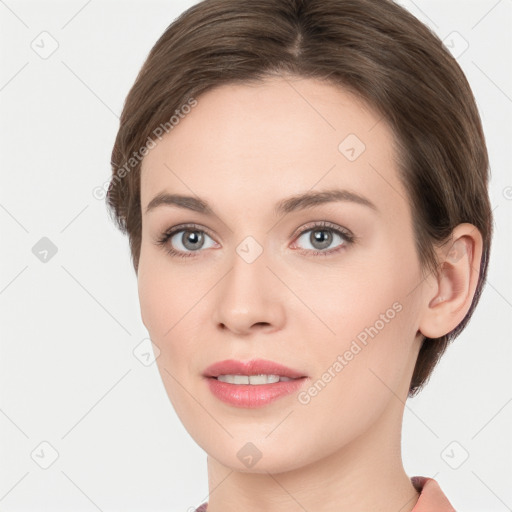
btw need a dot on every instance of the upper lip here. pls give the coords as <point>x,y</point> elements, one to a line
<point>252,367</point>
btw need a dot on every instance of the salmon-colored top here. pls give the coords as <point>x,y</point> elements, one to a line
<point>432,498</point>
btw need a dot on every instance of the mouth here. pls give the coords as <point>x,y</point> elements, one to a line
<point>252,384</point>
<point>253,380</point>
<point>254,372</point>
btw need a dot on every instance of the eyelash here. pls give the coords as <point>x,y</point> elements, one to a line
<point>345,234</point>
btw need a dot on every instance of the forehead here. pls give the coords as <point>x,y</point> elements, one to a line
<point>272,139</point>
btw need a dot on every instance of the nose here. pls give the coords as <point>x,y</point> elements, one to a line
<point>249,298</point>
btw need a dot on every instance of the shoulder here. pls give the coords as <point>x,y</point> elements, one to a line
<point>432,498</point>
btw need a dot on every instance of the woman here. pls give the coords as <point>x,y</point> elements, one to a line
<point>304,187</point>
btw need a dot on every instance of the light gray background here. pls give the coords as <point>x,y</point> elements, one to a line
<point>69,326</point>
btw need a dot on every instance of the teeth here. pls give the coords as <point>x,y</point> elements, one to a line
<point>251,379</point>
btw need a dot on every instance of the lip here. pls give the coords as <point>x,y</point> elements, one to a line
<point>248,395</point>
<point>252,367</point>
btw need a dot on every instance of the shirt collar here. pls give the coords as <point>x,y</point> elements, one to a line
<point>432,498</point>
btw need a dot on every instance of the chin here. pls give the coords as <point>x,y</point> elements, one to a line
<point>268,456</point>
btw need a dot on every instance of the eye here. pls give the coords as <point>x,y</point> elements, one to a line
<point>183,241</point>
<point>322,235</point>
<point>186,240</point>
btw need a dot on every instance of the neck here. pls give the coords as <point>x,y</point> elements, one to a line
<point>366,474</point>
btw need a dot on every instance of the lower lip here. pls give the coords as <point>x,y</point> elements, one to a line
<point>252,396</point>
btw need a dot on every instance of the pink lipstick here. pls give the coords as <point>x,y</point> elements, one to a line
<point>252,384</point>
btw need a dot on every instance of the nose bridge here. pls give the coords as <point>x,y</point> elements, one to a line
<point>250,250</point>
<point>246,296</point>
<point>247,279</point>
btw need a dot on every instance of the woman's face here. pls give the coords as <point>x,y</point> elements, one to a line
<point>331,287</point>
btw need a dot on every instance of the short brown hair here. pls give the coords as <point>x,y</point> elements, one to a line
<point>373,48</point>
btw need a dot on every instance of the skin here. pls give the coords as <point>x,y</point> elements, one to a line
<point>242,149</point>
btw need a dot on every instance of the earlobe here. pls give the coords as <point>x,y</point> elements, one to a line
<point>448,301</point>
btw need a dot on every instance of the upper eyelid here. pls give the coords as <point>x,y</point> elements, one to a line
<point>319,225</point>
<point>300,230</point>
<point>190,227</point>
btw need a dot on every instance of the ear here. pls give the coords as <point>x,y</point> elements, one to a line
<point>451,291</point>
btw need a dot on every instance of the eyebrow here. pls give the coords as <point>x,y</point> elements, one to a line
<point>288,205</point>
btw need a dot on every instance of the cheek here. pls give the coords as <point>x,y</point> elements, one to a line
<point>348,301</point>
<point>360,373</point>
<point>173,304</point>
<point>154,296</point>
<point>166,293</point>
<point>167,302</point>
<point>372,316</point>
